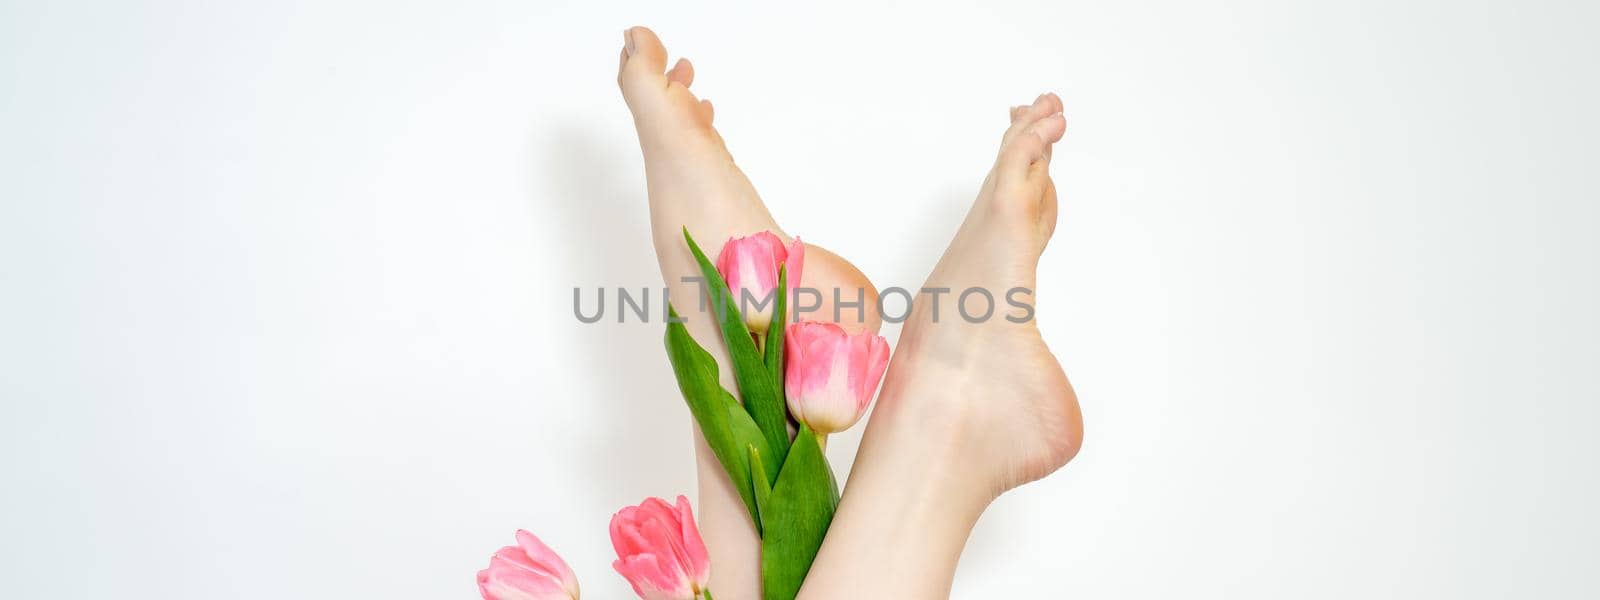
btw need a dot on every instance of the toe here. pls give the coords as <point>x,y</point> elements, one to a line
<point>682,73</point>
<point>1021,173</point>
<point>644,61</point>
<point>1030,145</point>
<point>1023,117</point>
<point>1053,102</point>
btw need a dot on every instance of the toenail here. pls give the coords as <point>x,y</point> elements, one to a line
<point>627,41</point>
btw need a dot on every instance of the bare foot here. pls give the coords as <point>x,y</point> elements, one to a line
<point>694,183</point>
<point>1012,412</point>
<point>968,409</point>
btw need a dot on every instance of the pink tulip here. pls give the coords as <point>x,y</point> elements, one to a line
<point>659,550</point>
<point>750,266</point>
<point>528,571</point>
<point>830,375</point>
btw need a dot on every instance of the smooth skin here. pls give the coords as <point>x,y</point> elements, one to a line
<point>967,411</point>
<point>693,181</point>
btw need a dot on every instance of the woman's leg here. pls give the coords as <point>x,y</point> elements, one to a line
<point>693,182</point>
<point>970,407</point>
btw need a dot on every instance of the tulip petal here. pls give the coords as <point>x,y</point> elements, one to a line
<point>698,559</point>
<point>794,263</point>
<point>508,584</point>
<point>831,376</point>
<point>650,579</point>
<point>528,571</point>
<point>749,265</point>
<point>541,554</point>
<point>659,550</point>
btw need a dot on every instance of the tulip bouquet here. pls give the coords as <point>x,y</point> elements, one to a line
<point>797,383</point>
<point>821,375</point>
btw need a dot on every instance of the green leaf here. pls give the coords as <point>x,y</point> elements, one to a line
<point>744,428</point>
<point>748,436</point>
<point>728,432</point>
<point>762,398</point>
<point>760,483</point>
<point>774,342</point>
<point>795,518</point>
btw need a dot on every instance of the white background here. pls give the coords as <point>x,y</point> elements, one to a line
<point>286,287</point>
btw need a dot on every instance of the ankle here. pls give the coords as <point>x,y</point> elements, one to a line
<point>921,440</point>
<point>902,524</point>
<point>934,420</point>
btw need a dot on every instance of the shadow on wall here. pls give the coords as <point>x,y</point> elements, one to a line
<point>598,199</point>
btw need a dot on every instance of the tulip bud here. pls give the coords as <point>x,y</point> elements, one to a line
<point>527,571</point>
<point>659,550</point>
<point>750,266</point>
<point>830,375</point>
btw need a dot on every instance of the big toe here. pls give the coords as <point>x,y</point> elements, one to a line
<point>644,62</point>
<point>1025,148</point>
<point>658,96</point>
<point>1022,171</point>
